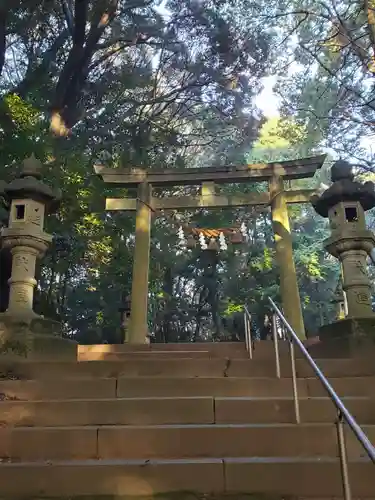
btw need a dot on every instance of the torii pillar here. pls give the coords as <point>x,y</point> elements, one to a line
<point>289,291</point>
<point>138,332</point>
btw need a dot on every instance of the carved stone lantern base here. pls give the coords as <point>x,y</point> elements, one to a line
<point>35,339</point>
<point>349,336</point>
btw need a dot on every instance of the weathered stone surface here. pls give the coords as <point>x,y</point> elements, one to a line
<point>99,352</point>
<point>281,410</point>
<point>108,478</point>
<point>207,386</point>
<point>132,411</point>
<point>70,443</point>
<point>297,477</point>
<point>344,387</point>
<point>218,441</point>
<point>36,339</point>
<point>77,435</point>
<point>353,332</point>
<point>292,478</point>
<point>44,388</point>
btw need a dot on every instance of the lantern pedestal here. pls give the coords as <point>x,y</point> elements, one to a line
<point>348,337</point>
<point>25,248</point>
<point>35,339</point>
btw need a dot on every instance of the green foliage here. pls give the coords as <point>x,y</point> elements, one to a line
<point>282,139</point>
<point>232,308</point>
<point>22,114</point>
<point>280,133</point>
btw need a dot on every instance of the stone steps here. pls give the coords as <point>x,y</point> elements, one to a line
<point>239,386</point>
<point>162,351</point>
<point>193,410</point>
<point>174,441</point>
<point>116,355</point>
<point>154,355</point>
<point>212,347</point>
<point>291,476</point>
<point>262,350</point>
<point>183,367</point>
<point>273,410</point>
<point>140,387</point>
<point>200,418</point>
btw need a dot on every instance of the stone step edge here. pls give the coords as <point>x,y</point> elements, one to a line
<point>94,378</point>
<point>213,425</point>
<point>152,352</point>
<point>184,398</point>
<point>164,345</point>
<point>178,359</point>
<point>202,460</point>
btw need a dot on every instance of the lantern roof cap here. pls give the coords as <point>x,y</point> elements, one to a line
<point>341,170</point>
<point>28,184</point>
<point>31,168</point>
<point>344,189</point>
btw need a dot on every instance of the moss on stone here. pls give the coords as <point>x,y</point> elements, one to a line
<point>14,347</point>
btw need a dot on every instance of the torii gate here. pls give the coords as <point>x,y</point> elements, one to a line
<point>277,197</point>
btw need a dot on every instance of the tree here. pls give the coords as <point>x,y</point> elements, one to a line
<point>126,84</point>
<point>327,71</point>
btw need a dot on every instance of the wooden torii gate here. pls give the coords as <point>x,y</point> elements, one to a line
<point>277,197</point>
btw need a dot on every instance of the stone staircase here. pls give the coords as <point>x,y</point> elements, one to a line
<point>173,419</point>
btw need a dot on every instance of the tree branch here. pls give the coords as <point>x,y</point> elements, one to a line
<point>3,19</point>
<point>334,75</point>
<point>68,16</point>
<point>34,72</point>
<point>74,74</point>
<point>80,18</point>
<point>5,6</point>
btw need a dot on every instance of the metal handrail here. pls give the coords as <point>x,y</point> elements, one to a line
<point>248,336</point>
<point>343,414</point>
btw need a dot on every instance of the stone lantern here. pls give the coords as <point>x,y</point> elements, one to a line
<point>30,200</point>
<point>125,311</point>
<point>345,203</point>
<point>25,237</point>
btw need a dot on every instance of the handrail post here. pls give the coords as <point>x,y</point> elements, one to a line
<point>250,339</point>
<point>246,334</point>
<point>343,457</point>
<point>294,380</point>
<point>276,345</point>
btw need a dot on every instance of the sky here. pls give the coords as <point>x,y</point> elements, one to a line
<point>267,101</point>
